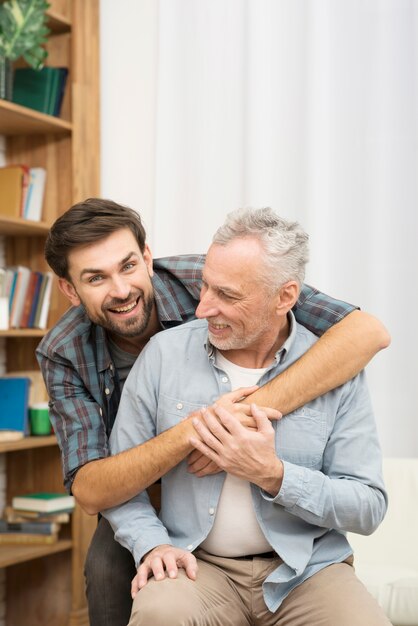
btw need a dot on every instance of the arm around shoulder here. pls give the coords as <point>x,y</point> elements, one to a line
<point>341,353</point>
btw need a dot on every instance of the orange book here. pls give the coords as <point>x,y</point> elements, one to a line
<point>13,186</point>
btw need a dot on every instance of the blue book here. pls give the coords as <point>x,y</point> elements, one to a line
<point>14,400</point>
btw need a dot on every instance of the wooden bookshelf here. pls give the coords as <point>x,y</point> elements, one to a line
<point>28,443</point>
<point>14,554</point>
<point>18,120</point>
<point>45,583</point>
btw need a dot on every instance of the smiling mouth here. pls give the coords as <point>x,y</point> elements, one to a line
<point>126,308</point>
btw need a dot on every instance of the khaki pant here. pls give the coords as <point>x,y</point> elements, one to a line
<point>228,592</point>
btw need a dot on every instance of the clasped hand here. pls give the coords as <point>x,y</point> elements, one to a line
<point>202,465</point>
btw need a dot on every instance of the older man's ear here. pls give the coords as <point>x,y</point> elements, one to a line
<point>287,297</point>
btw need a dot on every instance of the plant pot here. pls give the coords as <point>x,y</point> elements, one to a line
<point>6,78</point>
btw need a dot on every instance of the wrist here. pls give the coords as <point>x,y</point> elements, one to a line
<point>272,483</point>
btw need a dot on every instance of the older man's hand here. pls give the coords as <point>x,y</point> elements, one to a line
<point>201,465</point>
<point>164,560</point>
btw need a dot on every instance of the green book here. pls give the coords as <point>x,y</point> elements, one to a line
<point>44,502</point>
<point>34,88</point>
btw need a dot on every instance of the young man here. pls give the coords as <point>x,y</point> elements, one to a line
<point>263,542</point>
<point>120,299</point>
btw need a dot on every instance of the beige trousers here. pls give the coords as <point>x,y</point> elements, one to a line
<point>228,592</point>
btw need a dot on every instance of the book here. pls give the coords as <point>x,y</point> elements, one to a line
<point>62,81</point>
<point>32,527</point>
<point>27,538</point>
<point>19,295</point>
<point>14,396</point>
<point>42,90</point>
<point>13,182</point>
<point>11,435</point>
<point>42,310</point>
<point>28,301</point>
<point>17,515</point>
<point>44,502</point>
<point>35,194</point>
<point>32,88</point>
<point>37,389</point>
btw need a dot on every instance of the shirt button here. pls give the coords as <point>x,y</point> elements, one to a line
<point>190,547</point>
<point>100,411</point>
<point>179,406</point>
<point>111,367</point>
<point>211,510</point>
<point>107,391</point>
<point>224,379</point>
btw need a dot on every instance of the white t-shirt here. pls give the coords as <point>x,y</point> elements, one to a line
<point>236,531</point>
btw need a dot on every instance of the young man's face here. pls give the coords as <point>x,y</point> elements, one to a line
<point>112,279</point>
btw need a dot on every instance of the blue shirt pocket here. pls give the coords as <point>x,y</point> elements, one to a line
<point>301,437</point>
<point>172,410</point>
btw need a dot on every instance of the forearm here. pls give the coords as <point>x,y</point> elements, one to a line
<point>108,482</point>
<point>342,352</point>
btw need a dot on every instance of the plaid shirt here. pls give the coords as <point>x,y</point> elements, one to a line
<point>81,379</point>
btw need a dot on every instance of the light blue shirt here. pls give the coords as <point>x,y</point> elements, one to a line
<point>332,460</point>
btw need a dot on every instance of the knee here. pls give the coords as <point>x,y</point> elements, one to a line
<point>162,603</point>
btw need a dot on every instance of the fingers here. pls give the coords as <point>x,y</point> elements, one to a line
<point>134,587</point>
<point>262,421</point>
<point>208,470</point>
<point>189,564</point>
<point>210,430</point>
<point>272,414</point>
<point>162,561</point>
<point>200,465</point>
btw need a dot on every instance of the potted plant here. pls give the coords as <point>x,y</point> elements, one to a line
<point>23,33</point>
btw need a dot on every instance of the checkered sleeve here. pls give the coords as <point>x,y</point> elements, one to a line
<point>318,312</point>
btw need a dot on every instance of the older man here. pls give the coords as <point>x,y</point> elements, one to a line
<point>263,542</point>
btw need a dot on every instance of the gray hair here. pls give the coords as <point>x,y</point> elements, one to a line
<point>285,243</point>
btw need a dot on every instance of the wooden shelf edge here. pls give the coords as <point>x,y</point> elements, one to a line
<point>19,120</point>
<point>28,443</point>
<point>19,226</point>
<point>18,553</point>
<point>58,23</point>
<point>24,333</point>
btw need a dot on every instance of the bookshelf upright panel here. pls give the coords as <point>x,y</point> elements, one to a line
<point>47,582</point>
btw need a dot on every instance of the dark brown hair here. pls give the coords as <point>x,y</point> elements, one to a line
<point>88,222</point>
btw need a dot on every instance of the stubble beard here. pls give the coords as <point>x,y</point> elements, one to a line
<point>132,327</point>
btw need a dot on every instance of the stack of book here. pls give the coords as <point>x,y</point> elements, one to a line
<point>29,296</point>
<point>42,90</point>
<point>35,518</point>
<point>22,191</point>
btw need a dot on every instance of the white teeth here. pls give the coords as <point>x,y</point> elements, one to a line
<point>125,309</point>
<point>219,326</point>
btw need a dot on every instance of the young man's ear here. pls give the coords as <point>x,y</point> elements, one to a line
<point>147,256</point>
<point>68,290</point>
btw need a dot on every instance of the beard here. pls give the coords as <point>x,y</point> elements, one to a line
<point>132,327</point>
<point>240,339</point>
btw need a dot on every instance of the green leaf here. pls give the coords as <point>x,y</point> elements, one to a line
<point>23,30</point>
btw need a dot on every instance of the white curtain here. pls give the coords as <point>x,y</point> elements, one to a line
<point>306,106</point>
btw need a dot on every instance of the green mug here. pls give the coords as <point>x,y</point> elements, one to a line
<point>39,419</point>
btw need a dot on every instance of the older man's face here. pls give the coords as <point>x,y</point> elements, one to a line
<point>240,310</point>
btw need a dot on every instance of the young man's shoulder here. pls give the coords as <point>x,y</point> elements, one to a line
<point>73,326</point>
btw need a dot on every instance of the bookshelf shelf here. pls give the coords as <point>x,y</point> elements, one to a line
<point>58,23</point>
<point>18,120</point>
<point>13,554</point>
<point>28,443</point>
<point>23,333</point>
<point>16,226</point>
